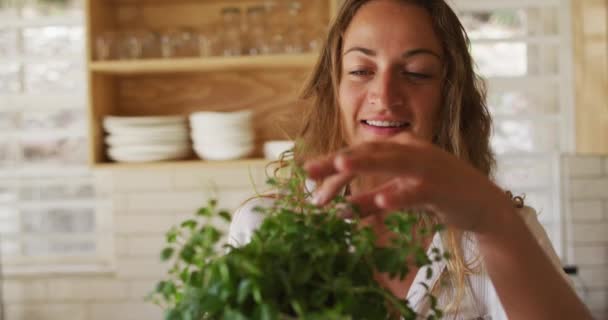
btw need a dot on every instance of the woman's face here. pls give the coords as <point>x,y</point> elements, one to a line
<point>390,85</point>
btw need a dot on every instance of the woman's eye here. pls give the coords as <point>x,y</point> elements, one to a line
<point>360,73</point>
<point>416,75</point>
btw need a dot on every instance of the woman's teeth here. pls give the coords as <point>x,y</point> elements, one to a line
<point>386,124</point>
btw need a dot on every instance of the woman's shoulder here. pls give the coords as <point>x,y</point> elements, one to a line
<point>246,219</point>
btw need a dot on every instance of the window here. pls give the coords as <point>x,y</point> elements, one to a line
<point>522,49</point>
<point>47,200</point>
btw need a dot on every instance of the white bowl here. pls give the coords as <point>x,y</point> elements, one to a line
<point>224,146</point>
<point>221,138</point>
<point>223,131</point>
<point>274,149</point>
<point>227,153</point>
<point>215,128</point>
<point>219,119</point>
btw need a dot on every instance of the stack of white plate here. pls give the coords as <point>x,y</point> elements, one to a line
<point>222,135</point>
<point>144,139</point>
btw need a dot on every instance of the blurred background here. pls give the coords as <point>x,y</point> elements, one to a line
<point>95,95</point>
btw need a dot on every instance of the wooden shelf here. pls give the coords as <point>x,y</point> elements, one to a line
<point>269,85</point>
<point>208,64</point>
<point>180,164</point>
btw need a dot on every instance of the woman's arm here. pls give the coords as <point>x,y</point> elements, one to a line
<point>427,178</point>
<point>528,285</point>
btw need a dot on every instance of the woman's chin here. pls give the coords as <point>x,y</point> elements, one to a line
<point>403,137</point>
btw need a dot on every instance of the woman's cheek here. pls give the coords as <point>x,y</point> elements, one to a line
<point>350,103</point>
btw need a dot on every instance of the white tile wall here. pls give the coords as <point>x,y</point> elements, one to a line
<point>20,291</point>
<point>145,204</point>
<point>46,311</point>
<point>587,211</point>
<point>135,310</point>
<point>589,188</point>
<point>586,190</point>
<point>585,166</point>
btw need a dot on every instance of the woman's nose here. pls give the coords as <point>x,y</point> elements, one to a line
<point>386,92</point>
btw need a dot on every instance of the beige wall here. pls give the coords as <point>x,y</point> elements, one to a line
<point>591,75</point>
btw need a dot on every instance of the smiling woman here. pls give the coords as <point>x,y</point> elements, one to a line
<point>388,65</point>
<point>399,120</point>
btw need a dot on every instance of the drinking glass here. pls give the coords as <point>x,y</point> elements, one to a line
<point>106,46</point>
<point>231,35</point>
<point>256,35</point>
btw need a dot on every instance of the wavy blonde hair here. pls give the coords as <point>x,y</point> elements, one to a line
<point>465,123</point>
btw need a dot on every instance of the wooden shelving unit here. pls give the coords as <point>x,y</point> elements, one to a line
<point>268,85</point>
<point>211,64</point>
<point>192,163</point>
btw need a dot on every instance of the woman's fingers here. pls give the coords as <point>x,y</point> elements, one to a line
<point>404,193</point>
<point>368,158</point>
<point>320,168</point>
<point>397,194</point>
<point>365,205</point>
<point>330,188</point>
<point>382,158</point>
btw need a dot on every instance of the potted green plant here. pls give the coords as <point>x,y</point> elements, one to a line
<point>304,262</point>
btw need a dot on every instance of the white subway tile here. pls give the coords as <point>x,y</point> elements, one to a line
<point>79,289</point>
<point>219,177</point>
<point>591,255</point>
<point>56,311</point>
<point>103,181</point>
<point>124,311</point>
<point>150,268</point>
<point>597,300</point>
<point>589,188</point>
<point>595,277</point>
<point>121,245</point>
<point>231,199</point>
<point>586,210</point>
<point>142,180</point>
<point>17,290</point>
<point>143,224</point>
<point>584,166</point>
<point>138,290</point>
<point>590,232</point>
<point>600,314</point>
<point>173,202</point>
<point>145,246</point>
<point>105,211</point>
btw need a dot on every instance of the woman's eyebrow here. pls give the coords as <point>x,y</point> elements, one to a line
<point>414,52</point>
<point>407,54</point>
<point>365,51</point>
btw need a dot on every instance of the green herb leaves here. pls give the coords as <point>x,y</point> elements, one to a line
<point>303,262</point>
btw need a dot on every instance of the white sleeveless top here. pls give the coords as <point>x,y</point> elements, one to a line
<point>480,300</point>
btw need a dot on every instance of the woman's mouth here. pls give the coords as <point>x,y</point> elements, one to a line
<point>384,127</point>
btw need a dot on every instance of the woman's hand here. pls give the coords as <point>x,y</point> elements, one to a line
<point>420,176</point>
